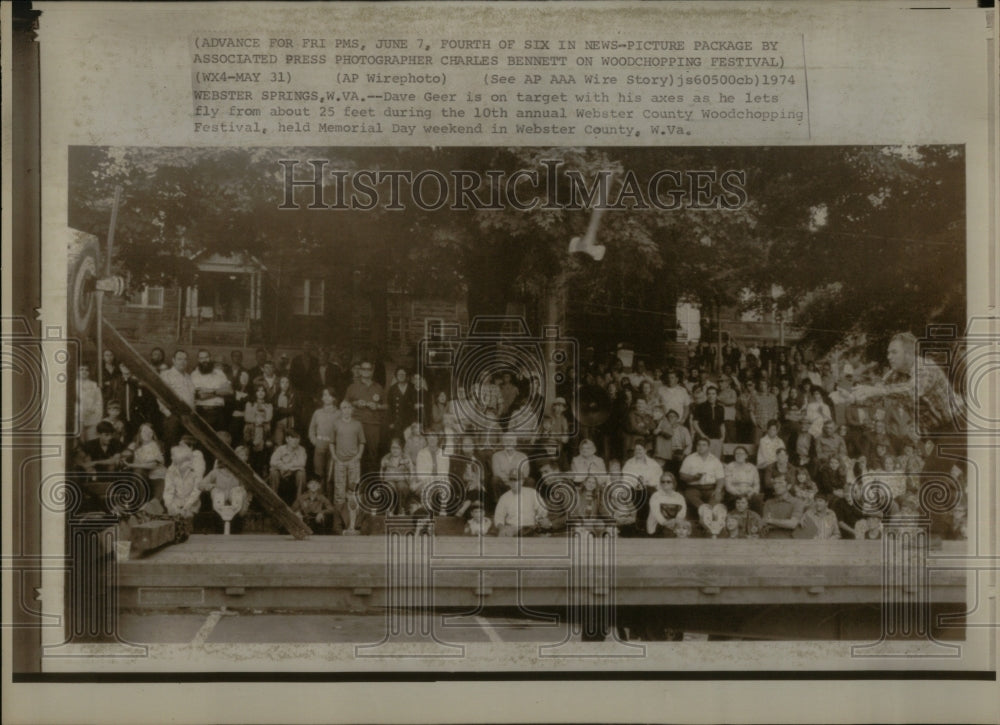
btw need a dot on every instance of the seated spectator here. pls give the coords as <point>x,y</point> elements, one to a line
<point>742,477</point>
<point>767,447</point>
<point>704,475</point>
<point>478,523</point>
<point>432,465</point>
<point>507,464</point>
<point>831,477</point>
<point>781,467</point>
<point>147,459</point>
<point>673,442</point>
<point>589,513</point>
<point>667,508</point>
<point>728,399</point>
<point>842,504</point>
<point>646,469</point>
<point>439,409</point>
<point>560,423</point>
<point>114,417</point>
<point>314,508</point>
<point>181,492</point>
<point>829,445</point>
<point>103,454</point>
<point>288,465</point>
<point>466,466</point>
<point>782,512</point>
<point>804,487</point>
<point>414,442</point>
<point>764,411</point>
<point>588,463</point>
<point>225,488</point>
<point>800,444</point>
<point>748,523</point>
<point>520,511</point>
<point>396,469</point>
<point>639,427</point>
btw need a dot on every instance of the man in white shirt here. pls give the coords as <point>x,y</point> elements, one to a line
<point>704,475</point>
<point>520,511</point>
<point>210,385</point>
<point>767,447</point>
<point>506,464</point>
<point>675,396</point>
<point>180,382</point>
<point>642,466</point>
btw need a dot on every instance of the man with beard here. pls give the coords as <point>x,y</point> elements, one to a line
<point>211,386</point>
<point>157,358</point>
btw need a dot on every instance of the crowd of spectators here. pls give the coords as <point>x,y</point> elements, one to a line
<point>739,442</point>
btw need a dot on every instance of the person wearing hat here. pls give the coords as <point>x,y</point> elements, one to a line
<point>560,424</point>
<point>314,508</point>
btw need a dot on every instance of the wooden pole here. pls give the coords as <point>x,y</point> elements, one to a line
<point>100,294</point>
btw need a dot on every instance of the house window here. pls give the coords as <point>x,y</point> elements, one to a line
<point>307,297</point>
<point>149,297</point>
<point>396,328</point>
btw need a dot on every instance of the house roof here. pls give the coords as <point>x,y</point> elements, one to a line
<point>237,262</point>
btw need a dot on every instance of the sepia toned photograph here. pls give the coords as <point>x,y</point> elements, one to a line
<point>545,395</point>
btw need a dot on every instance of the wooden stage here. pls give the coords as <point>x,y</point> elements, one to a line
<point>342,573</point>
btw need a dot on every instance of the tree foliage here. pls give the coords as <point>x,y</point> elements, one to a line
<point>863,240</point>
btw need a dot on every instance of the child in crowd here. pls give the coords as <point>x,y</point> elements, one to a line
<point>804,487</point>
<point>748,524</point>
<point>114,417</point>
<point>478,524</point>
<point>314,508</point>
<point>181,493</point>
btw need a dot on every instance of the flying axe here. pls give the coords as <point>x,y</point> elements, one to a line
<point>587,244</point>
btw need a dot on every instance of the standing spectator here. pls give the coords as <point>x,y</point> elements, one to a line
<point>109,374</point>
<point>704,475</point>
<point>709,420</point>
<point>288,463</point>
<point>368,398</point>
<point>180,383</point>
<point>242,390</point>
<point>285,406</point>
<point>235,367</point>
<point>321,431</point>
<point>138,403</point>
<point>257,371</point>
<point>257,415</point>
<point>89,404</point>
<point>268,379</point>
<point>158,359</point>
<point>402,402</point>
<point>347,449</point>
<point>764,411</point>
<point>302,372</point>
<point>211,387</point>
